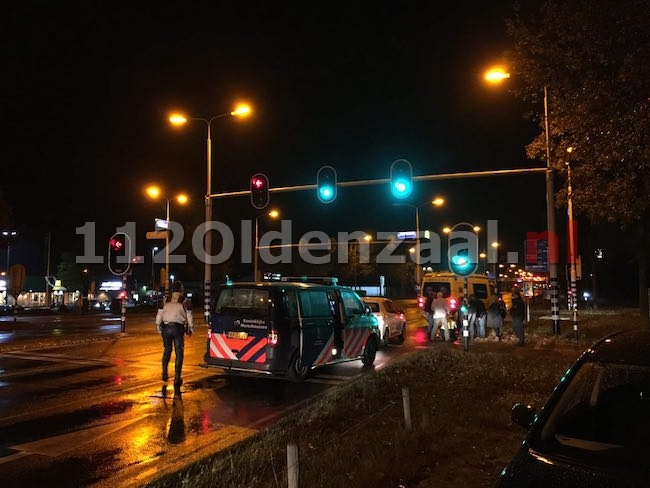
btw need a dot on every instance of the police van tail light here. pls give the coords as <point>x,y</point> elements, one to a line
<point>453,304</point>
<point>273,338</point>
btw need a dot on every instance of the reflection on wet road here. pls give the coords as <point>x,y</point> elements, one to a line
<point>96,414</point>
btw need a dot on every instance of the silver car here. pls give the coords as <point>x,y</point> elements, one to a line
<point>392,321</point>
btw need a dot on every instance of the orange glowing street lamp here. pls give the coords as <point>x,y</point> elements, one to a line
<point>241,110</point>
<point>154,192</point>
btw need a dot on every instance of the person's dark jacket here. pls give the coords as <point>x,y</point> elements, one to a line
<point>517,309</point>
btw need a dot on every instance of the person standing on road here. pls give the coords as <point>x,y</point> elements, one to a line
<point>174,319</point>
<point>428,311</point>
<point>495,313</point>
<point>440,315</point>
<point>517,313</point>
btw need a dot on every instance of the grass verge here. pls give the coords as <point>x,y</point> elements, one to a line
<point>461,435</point>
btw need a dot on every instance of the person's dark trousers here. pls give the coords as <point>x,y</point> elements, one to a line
<point>518,329</point>
<point>172,335</point>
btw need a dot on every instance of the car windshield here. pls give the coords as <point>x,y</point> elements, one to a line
<point>603,416</point>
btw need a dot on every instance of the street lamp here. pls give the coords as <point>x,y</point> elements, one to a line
<point>436,202</point>
<point>154,192</point>
<point>495,261</point>
<point>241,110</point>
<point>497,75</point>
<point>274,214</point>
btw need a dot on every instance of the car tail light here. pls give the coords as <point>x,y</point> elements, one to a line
<point>273,338</point>
<point>453,304</point>
<point>401,316</point>
<point>421,302</point>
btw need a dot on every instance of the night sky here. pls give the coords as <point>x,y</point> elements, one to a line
<point>88,87</point>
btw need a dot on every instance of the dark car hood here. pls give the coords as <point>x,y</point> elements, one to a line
<point>531,469</point>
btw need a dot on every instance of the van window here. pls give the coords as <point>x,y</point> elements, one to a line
<point>480,290</point>
<point>436,286</point>
<point>352,303</point>
<point>290,303</point>
<point>314,303</point>
<point>374,307</point>
<point>243,301</point>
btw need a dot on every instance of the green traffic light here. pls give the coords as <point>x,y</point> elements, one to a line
<point>326,184</point>
<point>401,179</point>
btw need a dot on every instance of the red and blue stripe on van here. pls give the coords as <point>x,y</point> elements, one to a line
<point>354,340</point>
<point>252,349</point>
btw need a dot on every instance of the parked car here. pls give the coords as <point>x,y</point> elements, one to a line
<point>594,428</point>
<point>392,321</point>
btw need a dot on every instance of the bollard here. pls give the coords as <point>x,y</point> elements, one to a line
<point>292,465</point>
<point>466,334</point>
<point>406,402</point>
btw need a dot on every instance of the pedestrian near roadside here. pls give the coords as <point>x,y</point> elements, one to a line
<point>174,320</point>
<point>494,316</point>
<point>476,316</point>
<point>440,314</point>
<point>428,311</point>
<point>517,314</point>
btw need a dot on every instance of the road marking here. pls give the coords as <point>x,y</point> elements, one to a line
<point>57,445</point>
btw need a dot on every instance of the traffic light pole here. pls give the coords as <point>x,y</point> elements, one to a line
<point>123,305</point>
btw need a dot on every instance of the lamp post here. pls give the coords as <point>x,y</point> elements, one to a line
<point>241,110</point>
<point>9,235</point>
<point>274,215</point>
<point>572,254</point>
<point>495,260</point>
<point>153,270</point>
<point>155,193</point>
<point>436,202</point>
<point>497,75</point>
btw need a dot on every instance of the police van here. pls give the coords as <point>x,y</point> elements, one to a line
<point>288,329</point>
<point>452,288</point>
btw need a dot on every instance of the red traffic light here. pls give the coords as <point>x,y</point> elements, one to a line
<point>259,190</point>
<point>117,244</point>
<point>119,253</point>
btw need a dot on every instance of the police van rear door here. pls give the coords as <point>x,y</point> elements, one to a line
<point>241,322</point>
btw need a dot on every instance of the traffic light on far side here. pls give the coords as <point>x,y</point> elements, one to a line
<point>326,184</point>
<point>259,190</point>
<point>401,178</point>
<point>119,253</point>
<point>461,265</point>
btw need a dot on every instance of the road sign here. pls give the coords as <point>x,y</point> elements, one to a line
<point>157,235</point>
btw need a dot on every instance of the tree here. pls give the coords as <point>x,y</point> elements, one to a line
<point>593,59</point>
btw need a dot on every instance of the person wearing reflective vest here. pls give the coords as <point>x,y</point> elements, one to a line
<point>174,320</point>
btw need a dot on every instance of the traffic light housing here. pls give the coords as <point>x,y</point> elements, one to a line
<point>259,190</point>
<point>326,184</point>
<point>119,253</point>
<point>401,178</point>
<point>461,265</point>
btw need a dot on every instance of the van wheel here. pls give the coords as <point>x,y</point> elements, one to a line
<point>297,371</point>
<point>402,335</point>
<point>369,353</point>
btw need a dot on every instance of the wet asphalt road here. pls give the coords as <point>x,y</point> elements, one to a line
<point>82,404</point>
